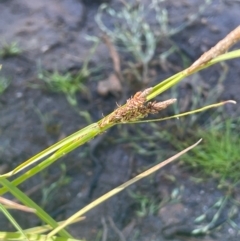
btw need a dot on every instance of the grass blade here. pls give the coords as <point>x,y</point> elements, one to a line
<point>68,140</point>
<point>118,189</point>
<point>28,202</point>
<point>12,220</point>
<point>45,228</point>
<point>173,80</point>
<point>11,236</point>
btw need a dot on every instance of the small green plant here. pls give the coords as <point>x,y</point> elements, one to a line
<point>219,154</point>
<point>131,30</point>
<point>133,33</point>
<point>65,83</point>
<point>205,224</point>
<point>9,50</point>
<point>4,83</point>
<point>146,205</point>
<point>68,83</point>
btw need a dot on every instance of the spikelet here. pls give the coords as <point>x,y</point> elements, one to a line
<point>135,109</point>
<point>220,48</point>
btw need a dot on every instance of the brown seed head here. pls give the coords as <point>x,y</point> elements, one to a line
<point>135,109</point>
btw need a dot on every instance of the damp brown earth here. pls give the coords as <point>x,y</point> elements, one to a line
<point>51,35</point>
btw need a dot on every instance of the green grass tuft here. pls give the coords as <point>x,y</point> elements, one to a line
<point>4,83</point>
<point>66,83</point>
<point>9,50</point>
<point>219,153</point>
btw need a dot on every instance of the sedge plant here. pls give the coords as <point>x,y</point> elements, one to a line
<point>135,109</point>
<point>65,83</point>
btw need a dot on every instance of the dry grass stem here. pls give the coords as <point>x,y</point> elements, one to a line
<point>14,205</point>
<point>220,48</point>
<point>114,55</point>
<point>118,189</point>
<point>115,228</point>
<point>136,108</point>
<point>105,229</point>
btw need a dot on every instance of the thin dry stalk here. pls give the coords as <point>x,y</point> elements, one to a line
<point>14,205</point>
<point>115,228</point>
<point>105,229</point>
<point>114,55</point>
<point>118,189</point>
<point>220,48</point>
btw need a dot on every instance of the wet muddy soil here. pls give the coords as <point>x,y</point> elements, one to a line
<point>165,206</point>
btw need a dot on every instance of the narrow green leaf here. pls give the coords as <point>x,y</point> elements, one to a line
<point>93,131</point>
<point>165,85</point>
<point>173,80</point>
<point>22,197</point>
<point>12,220</point>
<point>75,136</point>
<point>10,236</point>
<point>118,189</point>
<point>189,112</point>
<point>44,228</point>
